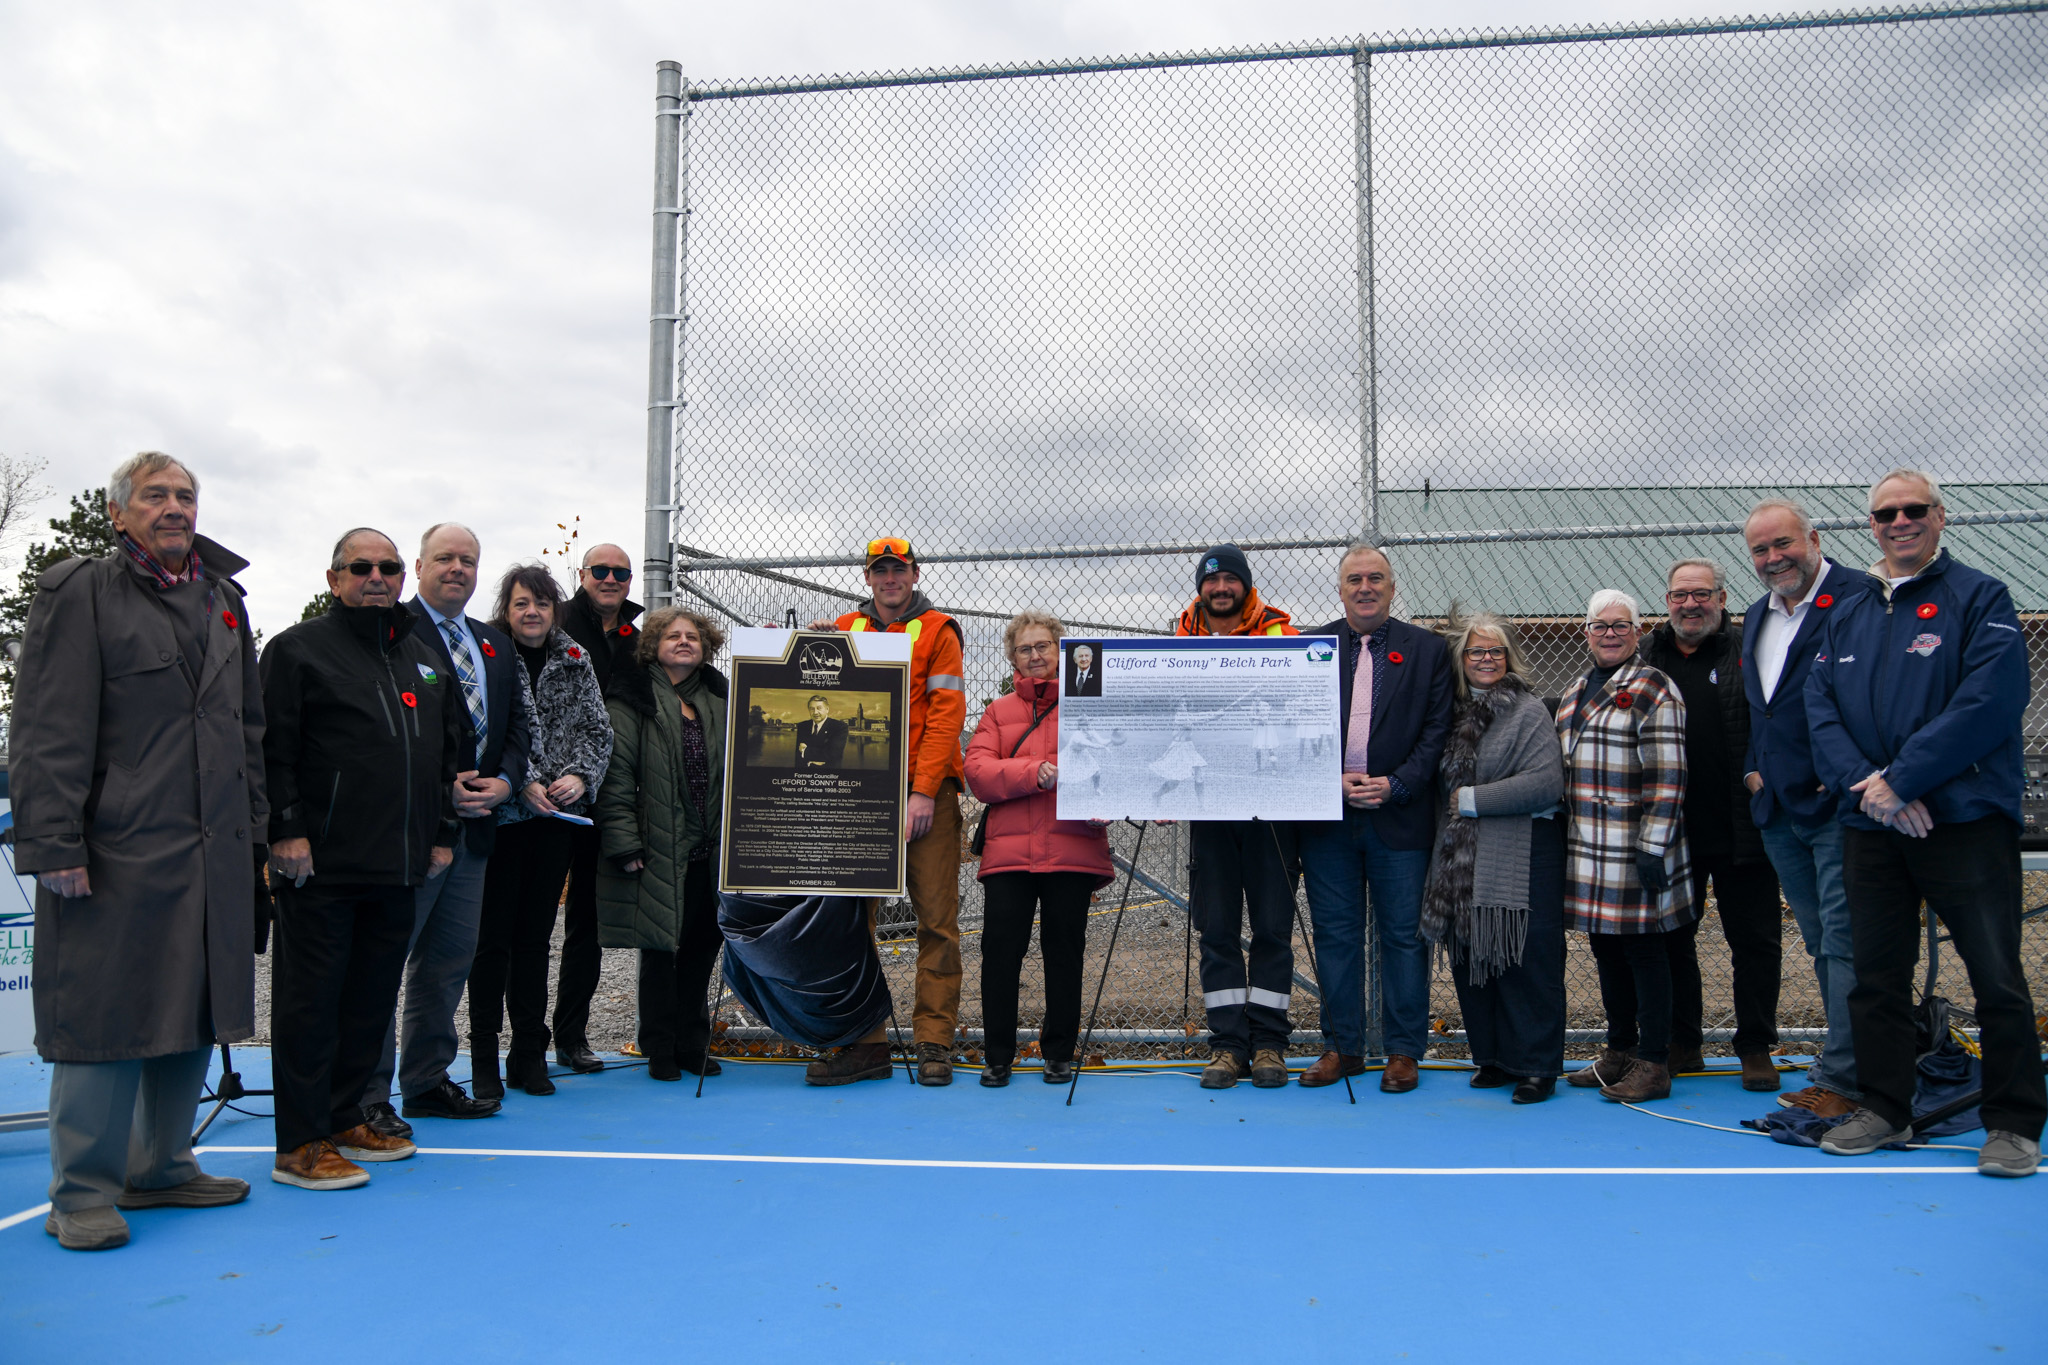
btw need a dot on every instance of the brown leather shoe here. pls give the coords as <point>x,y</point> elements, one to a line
<point>1818,1099</point>
<point>317,1166</point>
<point>364,1143</point>
<point>1332,1067</point>
<point>1645,1081</point>
<point>1686,1061</point>
<point>1610,1066</point>
<point>1400,1076</point>
<point>1759,1072</point>
<point>859,1062</point>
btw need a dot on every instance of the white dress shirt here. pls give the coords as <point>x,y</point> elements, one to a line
<point>1774,636</point>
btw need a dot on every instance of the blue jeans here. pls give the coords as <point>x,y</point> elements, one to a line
<point>1339,861</point>
<point>1809,863</point>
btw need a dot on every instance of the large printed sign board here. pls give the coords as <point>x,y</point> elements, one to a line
<point>17,948</point>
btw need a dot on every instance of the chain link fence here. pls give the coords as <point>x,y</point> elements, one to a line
<point>1539,312</point>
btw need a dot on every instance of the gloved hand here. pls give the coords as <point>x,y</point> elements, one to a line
<point>1650,871</point>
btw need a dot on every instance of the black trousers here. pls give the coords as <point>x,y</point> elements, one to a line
<point>675,1017</point>
<point>1969,875</point>
<point>1060,902</point>
<point>1244,871</point>
<point>1746,897</point>
<point>1635,988</point>
<point>582,959</point>
<point>522,889</point>
<point>1516,1020</point>
<point>336,961</point>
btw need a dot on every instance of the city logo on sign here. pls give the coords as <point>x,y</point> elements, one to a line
<point>428,674</point>
<point>1924,645</point>
<point>1321,652</point>
<point>819,663</point>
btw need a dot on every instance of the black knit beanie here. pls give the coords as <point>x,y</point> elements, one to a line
<point>1223,559</point>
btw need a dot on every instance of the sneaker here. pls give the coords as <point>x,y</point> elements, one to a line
<point>1863,1132</point>
<point>202,1191</point>
<point>98,1228</point>
<point>364,1143</point>
<point>317,1166</point>
<point>1610,1066</point>
<point>2008,1154</point>
<point>1225,1069</point>
<point>859,1062</point>
<point>1645,1081</point>
<point>1269,1069</point>
<point>934,1064</point>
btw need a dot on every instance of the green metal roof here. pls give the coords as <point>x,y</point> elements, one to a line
<point>1554,578</point>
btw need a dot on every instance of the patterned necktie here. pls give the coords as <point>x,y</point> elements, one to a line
<point>1359,732</point>
<point>472,690</point>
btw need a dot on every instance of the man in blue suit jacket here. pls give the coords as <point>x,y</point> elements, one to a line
<point>1792,810</point>
<point>484,667</point>
<point>1394,733</point>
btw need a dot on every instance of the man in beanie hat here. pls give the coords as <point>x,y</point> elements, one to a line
<point>1241,867</point>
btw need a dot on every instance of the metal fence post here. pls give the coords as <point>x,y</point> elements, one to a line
<point>664,315</point>
<point>1368,368</point>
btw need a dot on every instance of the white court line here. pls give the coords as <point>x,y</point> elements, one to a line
<point>37,1212</point>
<point>1169,1169</point>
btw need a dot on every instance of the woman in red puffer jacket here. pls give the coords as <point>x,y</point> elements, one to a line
<point>1032,860</point>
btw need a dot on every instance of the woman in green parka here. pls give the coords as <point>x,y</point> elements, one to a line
<point>657,822</point>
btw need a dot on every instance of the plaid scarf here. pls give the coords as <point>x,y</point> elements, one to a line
<point>194,571</point>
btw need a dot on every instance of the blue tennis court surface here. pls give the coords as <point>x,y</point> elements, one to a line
<point>621,1219</point>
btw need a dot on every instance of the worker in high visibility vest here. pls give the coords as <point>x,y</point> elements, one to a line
<point>938,714</point>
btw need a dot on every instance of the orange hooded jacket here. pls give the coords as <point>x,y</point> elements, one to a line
<point>1258,619</point>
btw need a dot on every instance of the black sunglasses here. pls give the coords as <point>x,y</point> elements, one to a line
<point>390,568</point>
<point>604,571</point>
<point>1885,516</point>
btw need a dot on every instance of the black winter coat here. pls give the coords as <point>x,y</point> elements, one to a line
<point>609,654</point>
<point>1724,649</point>
<point>364,734</point>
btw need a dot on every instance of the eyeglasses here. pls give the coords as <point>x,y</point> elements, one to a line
<point>1034,651</point>
<point>1480,656</point>
<point>361,568</point>
<point>1700,595</point>
<point>1609,627</point>
<point>613,571</point>
<point>1912,511</point>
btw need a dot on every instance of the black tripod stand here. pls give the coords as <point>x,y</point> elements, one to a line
<point>226,1091</point>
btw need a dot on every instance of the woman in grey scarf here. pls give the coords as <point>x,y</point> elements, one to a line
<point>1495,896</point>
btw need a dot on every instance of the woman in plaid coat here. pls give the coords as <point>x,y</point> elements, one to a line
<point>1627,878</point>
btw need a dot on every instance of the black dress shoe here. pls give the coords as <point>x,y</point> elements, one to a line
<point>1490,1077</point>
<point>528,1071</point>
<point>579,1059</point>
<point>384,1119</point>
<point>1534,1089</point>
<point>448,1101</point>
<point>484,1081</point>
<point>995,1075</point>
<point>700,1064</point>
<point>1058,1073</point>
<point>665,1068</point>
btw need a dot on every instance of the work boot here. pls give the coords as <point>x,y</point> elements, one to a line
<point>99,1228</point>
<point>1332,1067</point>
<point>1644,1081</point>
<point>1610,1066</point>
<point>1269,1069</point>
<point>1686,1061</point>
<point>1225,1069</point>
<point>857,1062</point>
<point>484,1081</point>
<point>1759,1072</point>
<point>934,1064</point>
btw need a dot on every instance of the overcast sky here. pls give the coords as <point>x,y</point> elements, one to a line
<point>387,263</point>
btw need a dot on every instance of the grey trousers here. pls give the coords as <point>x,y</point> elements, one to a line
<point>122,1123</point>
<point>446,912</point>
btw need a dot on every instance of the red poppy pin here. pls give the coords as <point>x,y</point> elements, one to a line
<point>485,645</point>
<point>1624,700</point>
<point>1394,656</point>
<point>575,653</point>
<point>1927,611</point>
<point>1824,601</point>
<point>409,699</point>
<point>229,617</point>
<point>624,630</point>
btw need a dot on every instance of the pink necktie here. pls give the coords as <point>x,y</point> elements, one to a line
<point>1359,731</point>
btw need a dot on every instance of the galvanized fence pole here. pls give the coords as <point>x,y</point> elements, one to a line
<point>663,317</point>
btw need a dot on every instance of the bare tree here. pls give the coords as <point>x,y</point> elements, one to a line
<point>21,488</point>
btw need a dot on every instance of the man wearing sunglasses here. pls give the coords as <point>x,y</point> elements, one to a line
<point>1699,649</point>
<point>363,742</point>
<point>599,617</point>
<point>938,713</point>
<point>1916,699</point>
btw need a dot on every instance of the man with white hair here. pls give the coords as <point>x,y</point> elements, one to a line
<point>1916,699</point>
<point>137,783</point>
<point>1793,813</point>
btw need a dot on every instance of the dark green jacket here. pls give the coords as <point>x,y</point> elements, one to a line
<point>643,810</point>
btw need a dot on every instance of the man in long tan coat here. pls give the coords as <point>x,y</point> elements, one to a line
<point>137,782</point>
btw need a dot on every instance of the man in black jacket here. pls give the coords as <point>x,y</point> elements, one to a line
<point>600,618</point>
<point>1394,730</point>
<point>360,752</point>
<point>1701,652</point>
<point>821,740</point>
<point>491,699</point>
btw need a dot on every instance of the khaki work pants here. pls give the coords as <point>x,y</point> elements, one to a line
<point>932,867</point>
